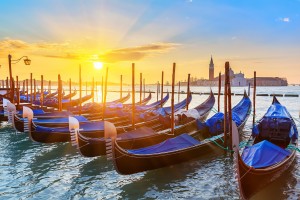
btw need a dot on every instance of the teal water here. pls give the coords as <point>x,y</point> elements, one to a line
<point>30,170</point>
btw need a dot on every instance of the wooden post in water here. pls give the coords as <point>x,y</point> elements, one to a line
<point>23,89</point>
<point>105,94</point>
<point>219,91</point>
<point>141,87</point>
<point>93,88</point>
<point>27,92</point>
<point>178,91</point>
<point>133,98</point>
<point>96,88</point>
<point>157,90</point>
<point>144,91</point>
<point>225,109</point>
<point>70,89</point>
<point>34,89</point>
<point>162,88</point>
<point>102,91</point>
<point>80,90</point>
<point>59,93</point>
<point>229,106</point>
<point>172,99</point>
<point>86,87</point>
<point>18,92</point>
<point>254,98</point>
<point>188,91</point>
<point>42,90</point>
<point>31,88</point>
<point>121,84</point>
<point>49,86</point>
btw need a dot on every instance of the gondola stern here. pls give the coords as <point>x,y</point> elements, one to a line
<point>27,120</point>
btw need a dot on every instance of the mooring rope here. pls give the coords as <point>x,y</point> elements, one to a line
<point>292,147</point>
<point>213,139</point>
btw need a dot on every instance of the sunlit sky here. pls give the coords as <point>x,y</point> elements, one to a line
<point>59,35</point>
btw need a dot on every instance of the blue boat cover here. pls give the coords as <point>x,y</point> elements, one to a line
<point>277,110</point>
<point>91,126</point>
<point>60,120</point>
<point>180,142</point>
<point>263,154</point>
<point>38,112</point>
<point>140,132</point>
<point>215,124</point>
<point>276,118</point>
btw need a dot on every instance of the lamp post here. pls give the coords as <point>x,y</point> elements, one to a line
<point>27,61</point>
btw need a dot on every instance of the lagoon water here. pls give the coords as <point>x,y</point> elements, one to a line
<point>30,170</point>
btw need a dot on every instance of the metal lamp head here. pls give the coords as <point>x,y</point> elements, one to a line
<point>27,61</point>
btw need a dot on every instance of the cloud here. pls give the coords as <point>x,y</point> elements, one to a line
<point>13,44</point>
<point>285,19</point>
<point>136,53</point>
<point>67,50</point>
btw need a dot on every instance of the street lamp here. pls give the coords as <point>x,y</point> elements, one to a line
<point>27,61</point>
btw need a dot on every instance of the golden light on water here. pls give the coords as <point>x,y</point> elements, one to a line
<point>98,65</point>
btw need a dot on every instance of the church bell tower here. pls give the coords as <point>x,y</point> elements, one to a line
<point>211,69</point>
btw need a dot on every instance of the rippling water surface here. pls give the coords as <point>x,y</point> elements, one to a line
<point>30,170</point>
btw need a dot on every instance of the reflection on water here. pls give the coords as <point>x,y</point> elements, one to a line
<point>30,170</point>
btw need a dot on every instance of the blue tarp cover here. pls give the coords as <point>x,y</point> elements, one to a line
<point>241,110</point>
<point>140,132</point>
<point>263,154</point>
<point>215,124</point>
<point>60,120</point>
<point>91,126</point>
<point>282,116</point>
<point>277,110</point>
<point>180,142</point>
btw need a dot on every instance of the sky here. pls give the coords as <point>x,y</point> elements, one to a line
<point>60,35</point>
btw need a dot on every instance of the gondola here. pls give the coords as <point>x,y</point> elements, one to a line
<point>70,95</point>
<point>93,107</point>
<point>66,103</point>
<point>145,132</point>
<point>53,119</point>
<point>204,138</point>
<point>48,134</point>
<point>269,151</point>
<point>40,113</point>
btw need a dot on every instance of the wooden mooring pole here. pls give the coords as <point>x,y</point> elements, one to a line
<point>162,88</point>
<point>254,99</point>
<point>133,98</point>
<point>219,91</point>
<point>188,91</point>
<point>105,94</point>
<point>42,90</point>
<point>172,100</point>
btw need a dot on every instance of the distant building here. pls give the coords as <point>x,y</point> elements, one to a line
<point>239,80</point>
<point>269,81</point>
<point>236,80</point>
<point>211,69</point>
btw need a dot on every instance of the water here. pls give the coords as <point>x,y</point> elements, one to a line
<point>30,170</point>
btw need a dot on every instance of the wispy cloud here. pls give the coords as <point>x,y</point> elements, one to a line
<point>285,19</point>
<point>66,50</point>
<point>136,53</point>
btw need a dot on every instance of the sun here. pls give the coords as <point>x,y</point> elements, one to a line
<point>98,65</point>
